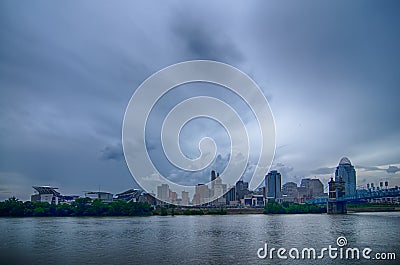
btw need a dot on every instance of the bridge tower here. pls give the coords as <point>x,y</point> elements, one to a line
<point>336,202</point>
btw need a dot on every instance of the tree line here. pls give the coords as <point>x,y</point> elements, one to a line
<point>80,207</point>
<point>273,207</point>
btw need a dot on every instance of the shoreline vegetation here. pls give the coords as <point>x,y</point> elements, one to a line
<point>86,207</point>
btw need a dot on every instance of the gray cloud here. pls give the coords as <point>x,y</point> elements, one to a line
<point>202,39</point>
<point>323,170</point>
<point>392,169</point>
<point>112,152</point>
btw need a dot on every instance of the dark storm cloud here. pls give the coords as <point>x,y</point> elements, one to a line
<point>112,152</point>
<point>392,169</point>
<point>331,170</point>
<point>204,40</point>
<point>323,170</point>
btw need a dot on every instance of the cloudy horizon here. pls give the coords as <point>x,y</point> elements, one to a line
<point>68,70</point>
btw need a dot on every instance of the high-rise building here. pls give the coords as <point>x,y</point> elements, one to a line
<point>273,188</point>
<point>213,178</point>
<point>346,171</point>
<point>314,187</point>
<point>163,192</point>
<point>242,189</point>
<point>185,198</point>
<point>202,194</point>
<point>230,196</point>
<point>290,189</point>
<point>173,195</point>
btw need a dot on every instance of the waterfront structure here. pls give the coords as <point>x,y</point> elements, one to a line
<point>273,188</point>
<point>99,195</point>
<point>46,194</point>
<point>253,200</point>
<point>129,195</point>
<point>337,191</point>
<point>150,198</point>
<point>346,171</point>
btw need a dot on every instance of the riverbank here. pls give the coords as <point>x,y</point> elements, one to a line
<point>373,209</point>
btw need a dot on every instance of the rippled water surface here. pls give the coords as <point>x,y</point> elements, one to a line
<point>229,239</point>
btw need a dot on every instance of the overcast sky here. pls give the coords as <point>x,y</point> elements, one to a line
<point>329,69</point>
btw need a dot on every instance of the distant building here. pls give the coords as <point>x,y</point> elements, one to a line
<point>346,171</point>
<point>242,189</point>
<point>163,192</point>
<point>313,187</point>
<point>129,195</point>
<point>173,196</point>
<point>202,194</point>
<point>253,200</point>
<point>218,189</point>
<point>290,192</point>
<point>230,196</point>
<point>336,191</point>
<point>185,198</point>
<point>46,194</point>
<point>273,188</point>
<point>99,195</point>
<point>213,178</point>
<point>149,198</point>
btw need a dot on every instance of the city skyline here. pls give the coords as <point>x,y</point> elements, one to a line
<point>216,193</point>
<point>330,76</point>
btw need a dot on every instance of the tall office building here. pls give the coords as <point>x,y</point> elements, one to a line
<point>346,171</point>
<point>202,194</point>
<point>213,178</point>
<point>314,187</point>
<point>242,189</point>
<point>185,198</point>
<point>273,188</point>
<point>163,192</point>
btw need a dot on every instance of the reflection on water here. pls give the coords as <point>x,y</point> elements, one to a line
<point>229,239</point>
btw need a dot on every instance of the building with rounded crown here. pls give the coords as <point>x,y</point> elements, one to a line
<point>346,171</point>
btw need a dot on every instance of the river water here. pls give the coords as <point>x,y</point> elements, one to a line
<point>228,239</point>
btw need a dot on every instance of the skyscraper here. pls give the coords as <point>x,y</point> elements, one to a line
<point>346,170</point>
<point>202,194</point>
<point>273,189</point>
<point>213,178</point>
<point>185,198</point>
<point>242,189</point>
<point>163,192</point>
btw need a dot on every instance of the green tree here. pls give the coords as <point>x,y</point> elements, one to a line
<point>12,207</point>
<point>64,209</point>
<point>163,211</point>
<point>81,205</point>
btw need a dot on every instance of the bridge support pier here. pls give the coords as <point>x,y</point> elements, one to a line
<point>336,204</point>
<point>336,207</point>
